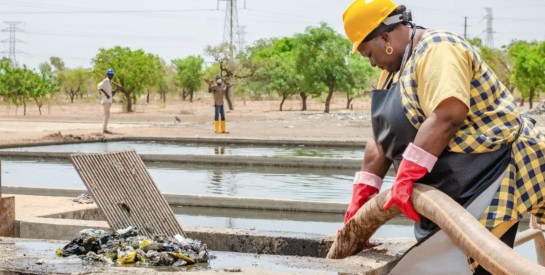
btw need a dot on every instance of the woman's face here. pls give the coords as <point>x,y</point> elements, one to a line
<point>375,50</point>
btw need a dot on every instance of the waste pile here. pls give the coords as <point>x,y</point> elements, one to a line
<point>129,246</point>
<point>83,199</point>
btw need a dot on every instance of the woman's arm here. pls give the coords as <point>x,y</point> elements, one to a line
<point>368,181</point>
<point>439,128</point>
<point>374,161</point>
<point>420,156</point>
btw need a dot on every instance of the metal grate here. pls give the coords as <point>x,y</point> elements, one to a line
<point>124,190</point>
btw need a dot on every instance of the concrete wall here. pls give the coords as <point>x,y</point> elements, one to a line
<point>216,239</point>
<point>230,140</point>
<point>304,162</point>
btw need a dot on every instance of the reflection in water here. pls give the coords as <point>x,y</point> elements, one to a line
<point>217,176</point>
<point>247,181</point>
<point>216,185</point>
<point>219,150</point>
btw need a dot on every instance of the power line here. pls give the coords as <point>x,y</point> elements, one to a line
<point>12,29</point>
<point>105,11</point>
<point>111,36</point>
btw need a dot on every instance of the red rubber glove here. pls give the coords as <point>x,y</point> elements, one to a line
<point>415,164</point>
<point>365,186</point>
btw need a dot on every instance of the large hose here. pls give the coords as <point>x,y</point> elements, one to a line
<point>464,230</point>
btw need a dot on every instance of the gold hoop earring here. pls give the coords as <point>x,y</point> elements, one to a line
<point>389,49</point>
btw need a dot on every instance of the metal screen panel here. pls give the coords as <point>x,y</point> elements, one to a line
<point>125,192</point>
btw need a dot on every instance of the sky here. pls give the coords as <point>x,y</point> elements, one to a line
<point>76,30</point>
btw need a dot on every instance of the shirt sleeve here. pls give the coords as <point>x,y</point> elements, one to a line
<point>443,71</point>
<point>100,85</point>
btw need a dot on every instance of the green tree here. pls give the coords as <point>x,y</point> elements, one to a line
<point>57,63</point>
<point>135,71</point>
<point>322,57</point>
<point>499,60</point>
<point>4,61</point>
<point>360,74</point>
<point>45,68</point>
<point>189,74</point>
<point>276,70</point>
<point>53,67</point>
<point>166,83</point>
<point>43,86</point>
<point>74,82</point>
<point>19,85</point>
<point>529,68</point>
<point>15,83</point>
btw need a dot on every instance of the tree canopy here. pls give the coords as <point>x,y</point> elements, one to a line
<point>189,74</point>
<point>135,71</point>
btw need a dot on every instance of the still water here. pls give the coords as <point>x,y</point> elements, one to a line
<point>151,147</point>
<point>260,182</point>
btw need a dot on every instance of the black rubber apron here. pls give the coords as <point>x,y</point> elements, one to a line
<point>461,176</point>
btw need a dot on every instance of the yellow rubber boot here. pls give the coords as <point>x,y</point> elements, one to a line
<point>222,126</point>
<point>217,127</point>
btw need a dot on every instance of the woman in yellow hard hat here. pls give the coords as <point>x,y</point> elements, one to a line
<point>442,118</point>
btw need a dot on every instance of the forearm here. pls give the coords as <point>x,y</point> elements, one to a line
<point>374,161</point>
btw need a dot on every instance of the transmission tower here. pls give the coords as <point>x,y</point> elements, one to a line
<point>489,28</point>
<point>230,31</point>
<point>241,37</point>
<point>230,27</point>
<point>12,29</point>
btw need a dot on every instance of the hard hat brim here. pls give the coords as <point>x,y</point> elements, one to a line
<point>356,45</point>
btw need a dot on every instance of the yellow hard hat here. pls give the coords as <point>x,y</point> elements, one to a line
<point>363,16</point>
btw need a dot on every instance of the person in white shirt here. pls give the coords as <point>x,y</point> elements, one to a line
<point>106,95</point>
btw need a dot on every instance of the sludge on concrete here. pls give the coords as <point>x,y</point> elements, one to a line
<point>234,248</point>
<point>31,256</point>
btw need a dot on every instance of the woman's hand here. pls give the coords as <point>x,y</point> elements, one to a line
<point>415,164</point>
<point>365,186</point>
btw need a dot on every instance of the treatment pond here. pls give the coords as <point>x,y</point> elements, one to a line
<point>190,148</point>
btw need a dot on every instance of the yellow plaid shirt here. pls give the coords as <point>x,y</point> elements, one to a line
<point>493,120</point>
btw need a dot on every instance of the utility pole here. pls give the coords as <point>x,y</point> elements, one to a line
<point>12,29</point>
<point>465,27</point>
<point>489,28</point>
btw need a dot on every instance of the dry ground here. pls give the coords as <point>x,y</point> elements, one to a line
<point>250,119</point>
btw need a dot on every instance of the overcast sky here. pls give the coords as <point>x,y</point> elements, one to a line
<point>75,30</point>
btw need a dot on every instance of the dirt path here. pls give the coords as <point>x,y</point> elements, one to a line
<point>45,205</point>
<point>253,119</point>
<point>250,119</point>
